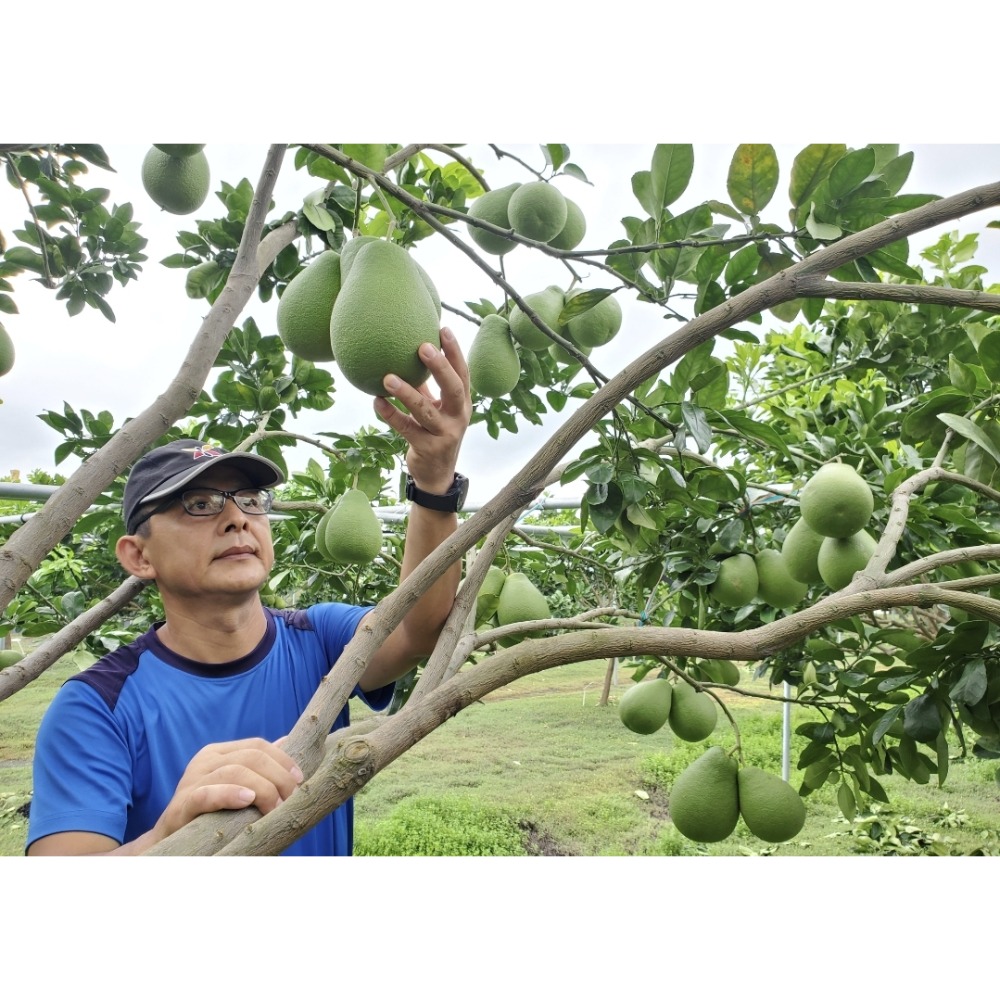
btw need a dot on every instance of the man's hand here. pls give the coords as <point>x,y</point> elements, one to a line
<point>433,428</point>
<point>230,776</point>
<point>220,776</point>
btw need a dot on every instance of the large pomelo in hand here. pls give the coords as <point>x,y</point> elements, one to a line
<point>178,184</point>
<point>770,807</point>
<point>6,351</point>
<point>645,707</point>
<point>305,306</point>
<point>840,558</point>
<point>836,501</point>
<point>704,800</point>
<point>381,316</point>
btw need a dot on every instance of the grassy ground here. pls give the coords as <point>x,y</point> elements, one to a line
<point>540,768</point>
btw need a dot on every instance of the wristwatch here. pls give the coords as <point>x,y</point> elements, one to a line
<point>450,502</point>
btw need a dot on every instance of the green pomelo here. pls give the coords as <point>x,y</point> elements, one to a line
<point>178,184</point>
<point>319,539</point>
<point>736,584</point>
<point>494,365</point>
<point>350,252</point>
<point>8,657</point>
<point>353,534</point>
<point>521,601</point>
<point>488,595</point>
<point>6,351</point>
<point>693,714</point>
<point>776,586</point>
<point>547,305</point>
<point>645,707</point>
<point>559,353</point>
<point>836,501</point>
<point>304,309</point>
<point>770,807</point>
<point>721,671</point>
<point>181,149</point>
<point>704,799</point>
<point>492,207</point>
<point>571,235</point>
<point>598,325</point>
<point>800,550</point>
<point>382,315</point>
<point>537,211</point>
<point>840,558</point>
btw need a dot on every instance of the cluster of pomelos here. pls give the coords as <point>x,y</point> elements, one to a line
<point>828,544</point>
<point>537,211</point>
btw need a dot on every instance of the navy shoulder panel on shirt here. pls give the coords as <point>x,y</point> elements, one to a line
<point>108,675</point>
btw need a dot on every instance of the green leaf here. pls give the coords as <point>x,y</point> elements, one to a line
<point>821,230</point>
<point>742,265</point>
<point>319,216</point>
<point>810,168</point>
<point>896,171</point>
<point>971,686</point>
<point>965,427</point>
<point>7,304</point>
<point>845,799</point>
<point>884,724</point>
<point>922,718</point>
<point>989,355</point>
<point>697,425</point>
<point>753,177</point>
<point>850,172</point>
<point>665,182</point>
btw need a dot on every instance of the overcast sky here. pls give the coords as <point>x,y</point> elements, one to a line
<point>93,364</point>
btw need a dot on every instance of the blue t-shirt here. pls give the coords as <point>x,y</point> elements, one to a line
<point>117,737</point>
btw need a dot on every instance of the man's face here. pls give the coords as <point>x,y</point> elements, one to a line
<point>226,554</point>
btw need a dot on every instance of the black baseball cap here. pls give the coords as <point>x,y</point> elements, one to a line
<point>165,470</point>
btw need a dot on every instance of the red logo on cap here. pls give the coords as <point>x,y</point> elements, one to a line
<point>204,452</point>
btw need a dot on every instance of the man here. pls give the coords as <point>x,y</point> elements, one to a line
<point>186,720</point>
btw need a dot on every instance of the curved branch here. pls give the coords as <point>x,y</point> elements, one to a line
<point>888,292</point>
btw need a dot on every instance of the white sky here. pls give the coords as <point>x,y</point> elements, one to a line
<point>94,364</point>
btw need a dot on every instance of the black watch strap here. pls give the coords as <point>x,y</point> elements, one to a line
<point>450,502</point>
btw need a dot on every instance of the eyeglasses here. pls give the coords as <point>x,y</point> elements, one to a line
<point>205,502</point>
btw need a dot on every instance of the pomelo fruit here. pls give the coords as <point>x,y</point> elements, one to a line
<point>303,315</point>
<point>180,149</point>
<point>382,314</point>
<point>704,799</point>
<point>598,325</point>
<point>521,601</point>
<point>491,207</point>
<point>645,707</point>
<point>319,538</point>
<point>572,233</point>
<point>836,501</point>
<point>353,533</point>
<point>770,807</point>
<point>488,595</point>
<point>178,184</point>
<point>547,305</point>
<point>537,210</point>
<point>8,657</point>
<point>776,585</point>
<point>800,550</point>
<point>494,365</point>
<point>6,351</point>
<point>840,558</point>
<point>693,714</point>
<point>737,581</point>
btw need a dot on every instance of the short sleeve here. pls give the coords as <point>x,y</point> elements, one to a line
<point>82,770</point>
